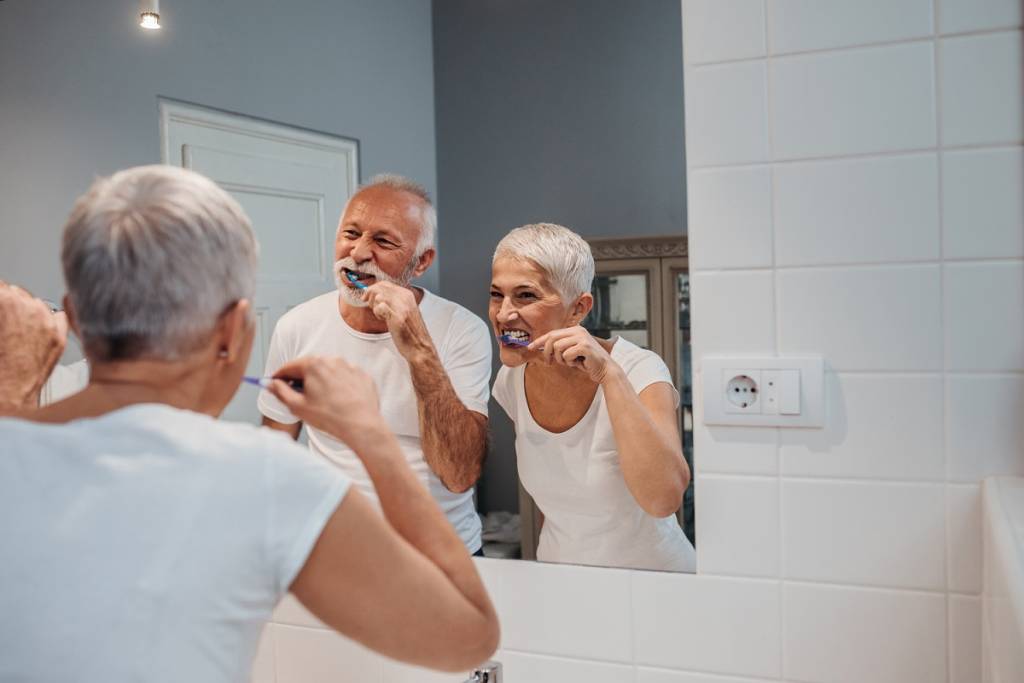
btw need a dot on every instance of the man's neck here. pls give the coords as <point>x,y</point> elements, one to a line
<point>362,319</point>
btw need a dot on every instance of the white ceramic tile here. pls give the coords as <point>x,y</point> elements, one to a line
<point>963,506</point>
<point>985,316</point>
<point>876,427</point>
<point>263,664</point>
<point>854,102</point>
<point>850,635</point>
<point>862,318</point>
<point>801,25</point>
<point>985,426</point>
<point>734,450</point>
<point>566,610</point>
<point>719,30</point>
<point>982,89</point>
<point>726,119</point>
<point>545,669</point>
<point>396,672</point>
<point>982,203</point>
<point>1003,500</point>
<point>691,621</point>
<point>733,313</point>
<point>965,639</point>
<point>857,211</point>
<point>648,675</point>
<point>730,223</point>
<point>312,655</point>
<point>956,16</point>
<point>878,534</point>
<point>291,612</point>
<point>491,573</point>
<point>738,526</point>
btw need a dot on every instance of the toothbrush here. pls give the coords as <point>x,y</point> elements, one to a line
<point>264,382</point>
<point>354,280</point>
<point>512,341</point>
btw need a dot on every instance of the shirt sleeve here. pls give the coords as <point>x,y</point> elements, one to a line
<point>503,392</point>
<point>647,368</point>
<point>277,355</point>
<point>303,492</point>
<point>468,363</point>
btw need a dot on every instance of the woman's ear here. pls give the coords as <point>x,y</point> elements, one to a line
<point>233,330</point>
<point>582,307</point>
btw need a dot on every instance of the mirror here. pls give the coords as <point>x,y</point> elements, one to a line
<point>506,113</point>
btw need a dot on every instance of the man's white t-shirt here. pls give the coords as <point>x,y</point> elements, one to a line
<point>590,516</point>
<point>464,346</point>
<point>150,544</point>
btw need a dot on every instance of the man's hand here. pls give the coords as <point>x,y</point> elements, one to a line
<point>336,397</point>
<point>32,340</point>
<point>397,307</point>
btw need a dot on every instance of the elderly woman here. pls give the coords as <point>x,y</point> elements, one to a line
<point>597,441</point>
<point>144,540</point>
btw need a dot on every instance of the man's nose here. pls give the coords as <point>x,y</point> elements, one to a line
<point>361,251</point>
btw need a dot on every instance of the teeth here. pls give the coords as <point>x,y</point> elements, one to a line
<point>517,334</point>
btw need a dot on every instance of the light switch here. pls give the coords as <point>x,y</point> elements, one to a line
<point>789,392</point>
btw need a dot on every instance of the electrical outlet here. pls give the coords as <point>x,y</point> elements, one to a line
<point>742,391</point>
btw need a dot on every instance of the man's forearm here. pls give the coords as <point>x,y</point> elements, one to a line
<point>454,437</point>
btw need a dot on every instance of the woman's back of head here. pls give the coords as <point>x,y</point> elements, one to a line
<point>152,257</point>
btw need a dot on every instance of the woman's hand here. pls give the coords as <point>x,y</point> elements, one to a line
<point>336,397</point>
<point>574,347</point>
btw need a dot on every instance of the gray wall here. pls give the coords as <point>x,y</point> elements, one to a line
<point>567,111</point>
<point>79,83</point>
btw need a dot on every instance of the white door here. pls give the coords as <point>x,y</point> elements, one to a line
<point>293,183</point>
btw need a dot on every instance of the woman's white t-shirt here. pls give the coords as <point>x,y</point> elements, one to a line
<point>150,544</point>
<point>590,517</point>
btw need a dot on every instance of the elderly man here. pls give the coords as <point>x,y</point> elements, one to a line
<point>430,358</point>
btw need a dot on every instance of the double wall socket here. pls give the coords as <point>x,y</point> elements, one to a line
<point>764,392</point>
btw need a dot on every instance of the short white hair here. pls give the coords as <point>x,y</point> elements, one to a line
<point>152,257</point>
<point>563,256</point>
<point>428,221</point>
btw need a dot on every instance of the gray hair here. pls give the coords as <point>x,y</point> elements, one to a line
<point>428,224</point>
<point>152,257</point>
<point>563,255</point>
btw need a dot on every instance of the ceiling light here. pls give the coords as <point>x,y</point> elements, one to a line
<point>149,14</point>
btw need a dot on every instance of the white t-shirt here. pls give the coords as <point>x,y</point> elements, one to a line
<point>464,346</point>
<point>590,517</point>
<point>150,544</point>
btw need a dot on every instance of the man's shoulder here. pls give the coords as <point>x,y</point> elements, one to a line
<point>310,312</point>
<point>456,317</point>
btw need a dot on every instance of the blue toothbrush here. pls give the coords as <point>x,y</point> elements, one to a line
<point>264,382</point>
<point>354,280</point>
<point>512,341</point>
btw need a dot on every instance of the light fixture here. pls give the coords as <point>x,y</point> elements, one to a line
<point>149,14</point>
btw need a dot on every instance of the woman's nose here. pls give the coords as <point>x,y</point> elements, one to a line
<point>507,312</point>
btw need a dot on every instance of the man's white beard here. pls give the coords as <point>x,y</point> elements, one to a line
<point>351,295</point>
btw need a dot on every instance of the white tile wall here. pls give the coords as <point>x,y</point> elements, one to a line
<point>965,639</point>
<point>725,116</point>
<point>738,526</point>
<point>959,16</point>
<point>864,533</point>
<point>853,102</point>
<point>707,623</point>
<point>544,669</point>
<point>878,427</point>
<point>849,635</point>
<point>985,426</point>
<point>720,30</point>
<point>982,203</point>
<point>863,500</point>
<point>877,210</point>
<point>884,318</point>
<point>963,505</point>
<point>802,25</point>
<point>734,206</point>
<point>985,316</point>
<point>982,93</point>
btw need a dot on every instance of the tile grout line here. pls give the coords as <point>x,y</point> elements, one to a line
<point>865,265</point>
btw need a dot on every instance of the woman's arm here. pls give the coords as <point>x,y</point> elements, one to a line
<point>645,429</point>
<point>403,584</point>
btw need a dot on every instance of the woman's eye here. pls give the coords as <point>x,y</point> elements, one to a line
<point>495,295</point>
<point>527,295</point>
